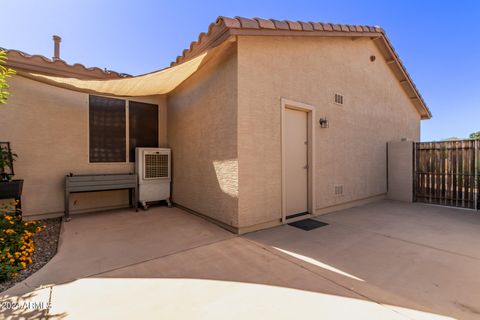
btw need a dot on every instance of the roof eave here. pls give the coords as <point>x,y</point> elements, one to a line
<point>224,28</point>
<point>19,60</point>
<point>393,60</point>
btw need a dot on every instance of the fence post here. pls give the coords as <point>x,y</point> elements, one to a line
<point>476,184</point>
<point>414,171</point>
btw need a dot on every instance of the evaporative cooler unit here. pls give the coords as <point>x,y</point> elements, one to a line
<point>153,167</point>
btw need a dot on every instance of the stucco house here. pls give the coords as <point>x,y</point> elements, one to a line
<point>268,122</point>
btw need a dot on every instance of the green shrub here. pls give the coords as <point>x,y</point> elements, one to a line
<point>16,241</point>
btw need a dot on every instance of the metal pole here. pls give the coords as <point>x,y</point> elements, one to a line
<point>475,157</point>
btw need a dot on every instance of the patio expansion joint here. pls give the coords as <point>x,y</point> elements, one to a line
<point>292,260</point>
<point>405,240</point>
<point>429,247</point>
<point>161,256</point>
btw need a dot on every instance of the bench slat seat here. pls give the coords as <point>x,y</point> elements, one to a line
<point>99,177</point>
<point>101,182</point>
<point>93,184</point>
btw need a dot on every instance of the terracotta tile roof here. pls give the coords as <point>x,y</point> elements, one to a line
<point>242,24</point>
<point>41,64</point>
<point>224,28</point>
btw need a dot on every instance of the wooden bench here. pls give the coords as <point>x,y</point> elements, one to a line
<point>101,182</point>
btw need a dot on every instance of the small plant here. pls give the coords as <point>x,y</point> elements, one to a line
<point>5,72</point>
<point>16,241</point>
<point>7,157</point>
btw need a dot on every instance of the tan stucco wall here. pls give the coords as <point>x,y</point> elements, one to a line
<point>400,171</point>
<point>202,131</point>
<point>48,129</point>
<point>351,152</point>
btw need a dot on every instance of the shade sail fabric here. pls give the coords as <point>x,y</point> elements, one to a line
<point>158,82</point>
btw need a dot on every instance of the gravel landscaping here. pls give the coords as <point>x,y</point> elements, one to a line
<point>46,242</point>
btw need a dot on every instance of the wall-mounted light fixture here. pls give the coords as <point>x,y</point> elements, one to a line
<point>323,122</point>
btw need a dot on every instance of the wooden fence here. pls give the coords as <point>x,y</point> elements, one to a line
<point>446,173</point>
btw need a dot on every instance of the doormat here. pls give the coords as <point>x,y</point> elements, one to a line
<point>308,224</point>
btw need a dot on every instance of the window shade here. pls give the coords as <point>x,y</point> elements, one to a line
<point>143,126</point>
<point>107,127</point>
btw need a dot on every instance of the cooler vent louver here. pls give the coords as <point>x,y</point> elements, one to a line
<point>156,166</point>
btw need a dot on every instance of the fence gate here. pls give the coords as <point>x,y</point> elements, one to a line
<point>446,173</point>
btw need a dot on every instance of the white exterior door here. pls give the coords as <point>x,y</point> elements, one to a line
<point>296,162</point>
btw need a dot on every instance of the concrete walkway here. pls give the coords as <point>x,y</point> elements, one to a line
<point>386,260</point>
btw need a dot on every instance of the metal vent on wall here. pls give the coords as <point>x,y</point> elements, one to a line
<point>338,190</point>
<point>338,98</point>
<point>156,166</point>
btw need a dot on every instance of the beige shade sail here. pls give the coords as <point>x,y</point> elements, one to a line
<point>158,82</point>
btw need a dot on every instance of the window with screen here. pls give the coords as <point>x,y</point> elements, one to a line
<point>107,128</point>
<point>143,126</point>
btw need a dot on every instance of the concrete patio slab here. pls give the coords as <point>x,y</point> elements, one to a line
<point>236,260</point>
<point>444,228</point>
<point>209,299</point>
<point>399,251</point>
<point>386,260</point>
<point>96,242</point>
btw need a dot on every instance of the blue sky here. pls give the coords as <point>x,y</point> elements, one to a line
<point>438,41</point>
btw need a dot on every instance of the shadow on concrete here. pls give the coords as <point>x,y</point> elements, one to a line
<point>32,306</point>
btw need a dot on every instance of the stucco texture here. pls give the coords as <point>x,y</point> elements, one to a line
<point>202,131</point>
<point>351,152</point>
<point>224,128</point>
<point>48,129</point>
<point>400,170</point>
